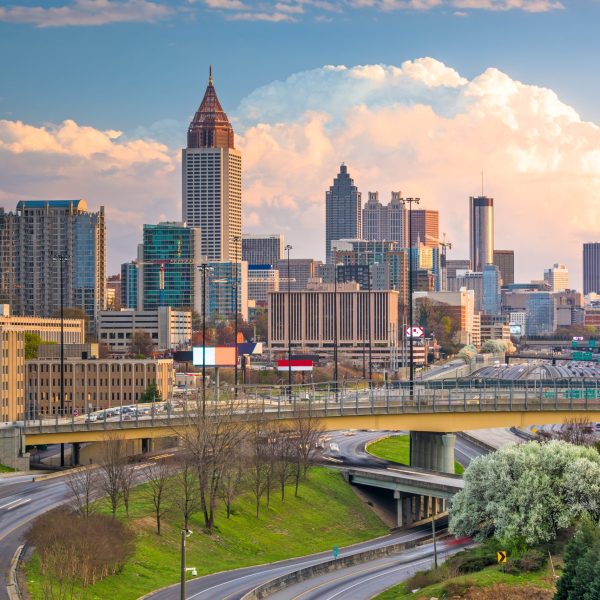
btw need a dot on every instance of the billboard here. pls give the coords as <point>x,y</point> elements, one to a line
<point>415,332</point>
<point>297,365</point>
<point>221,356</point>
<point>515,329</point>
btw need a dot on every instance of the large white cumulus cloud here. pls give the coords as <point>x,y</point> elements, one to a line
<point>420,127</point>
<point>423,129</point>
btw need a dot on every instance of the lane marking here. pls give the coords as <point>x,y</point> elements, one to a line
<point>9,503</point>
<point>20,503</point>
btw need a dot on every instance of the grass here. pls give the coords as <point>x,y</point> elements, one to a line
<point>485,578</point>
<point>397,449</point>
<point>327,513</point>
<point>5,469</point>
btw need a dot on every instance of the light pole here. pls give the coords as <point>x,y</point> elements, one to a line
<point>369,323</point>
<point>185,533</point>
<point>411,363</point>
<point>61,259</point>
<point>236,239</point>
<point>335,327</point>
<point>204,268</point>
<point>289,303</point>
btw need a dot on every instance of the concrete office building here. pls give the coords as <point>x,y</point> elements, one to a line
<point>168,262</point>
<point>12,373</point>
<point>469,280</point>
<point>385,222</point>
<point>212,180</point>
<point>113,292</point>
<point>301,271</point>
<point>557,278</point>
<point>452,266</point>
<point>262,279</point>
<point>47,329</point>
<point>227,289</point>
<point>169,329</point>
<point>505,261</point>
<point>94,384</point>
<point>342,211</point>
<point>481,232</point>
<point>425,226</point>
<point>30,241</point>
<point>313,328</point>
<point>129,285</point>
<point>591,268</point>
<point>263,249</point>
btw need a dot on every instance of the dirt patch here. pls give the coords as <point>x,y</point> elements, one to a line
<point>500,591</point>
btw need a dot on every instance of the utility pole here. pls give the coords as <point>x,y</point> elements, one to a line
<point>289,315</point>
<point>236,239</point>
<point>62,258</point>
<point>335,327</point>
<point>411,362</point>
<point>204,268</point>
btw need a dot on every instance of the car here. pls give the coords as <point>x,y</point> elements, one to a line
<point>91,418</point>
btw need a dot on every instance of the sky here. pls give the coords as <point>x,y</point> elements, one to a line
<point>420,96</point>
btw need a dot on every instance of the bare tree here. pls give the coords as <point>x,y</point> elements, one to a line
<point>112,465</point>
<point>231,481</point>
<point>84,485</point>
<point>257,461</point>
<point>141,343</point>
<point>186,496</point>
<point>578,431</point>
<point>210,437</point>
<point>307,431</point>
<point>126,483</point>
<point>285,451</point>
<point>158,474</point>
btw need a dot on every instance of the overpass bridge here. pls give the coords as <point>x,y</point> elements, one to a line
<point>429,413</point>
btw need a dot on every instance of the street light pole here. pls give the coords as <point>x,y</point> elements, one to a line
<point>369,323</point>
<point>335,327</point>
<point>411,366</point>
<point>62,258</point>
<point>204,268</point>
<point>236,239</point>
<point>289,315</point>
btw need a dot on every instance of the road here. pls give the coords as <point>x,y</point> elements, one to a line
<point>232,585</point>
<point>21,500</point>
<point>365,581</point>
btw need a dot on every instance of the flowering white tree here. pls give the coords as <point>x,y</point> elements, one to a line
<point>528,492</point>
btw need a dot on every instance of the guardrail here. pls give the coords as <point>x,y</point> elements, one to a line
<point>373,401</point>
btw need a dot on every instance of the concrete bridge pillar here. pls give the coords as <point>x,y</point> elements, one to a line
<point>12,449</point>
<point>76,454</point>
<point>432,451</point>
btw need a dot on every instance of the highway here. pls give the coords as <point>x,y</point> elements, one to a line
<point>232,585</point>
<point>21,500</point>
<point>364,581</point>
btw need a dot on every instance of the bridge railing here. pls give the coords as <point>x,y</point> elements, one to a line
<point>360,401</point>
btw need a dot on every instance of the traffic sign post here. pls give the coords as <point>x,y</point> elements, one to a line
<point>502,556</point>
<point>336,551</point>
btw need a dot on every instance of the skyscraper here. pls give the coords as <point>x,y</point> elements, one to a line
<point>168,262</point>
<point>385,222</point>
<point>505,261</point>
<point>262,249</point>
<point>212,180</point>
<point>129,284</point>
<point>492,282</point>
<point>481,231</point>
<point>425,227</point>
<point>591,267</point>
<point>557,278</point>
<point>33,237</point>
<point>343,210</point>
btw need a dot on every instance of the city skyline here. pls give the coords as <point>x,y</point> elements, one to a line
<point>395,120</point>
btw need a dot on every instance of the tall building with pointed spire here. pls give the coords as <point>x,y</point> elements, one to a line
<point>212,180</point>
<point>343,210</point>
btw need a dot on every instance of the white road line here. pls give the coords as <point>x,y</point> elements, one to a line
<point>20,503</point>
<point>9,503</point>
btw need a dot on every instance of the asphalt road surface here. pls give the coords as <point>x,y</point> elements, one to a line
<point>232,585</point>
<point>361,582</point>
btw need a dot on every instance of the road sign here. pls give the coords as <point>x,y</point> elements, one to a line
<point>336,551</point>
<point>297,365</point>
<point>415,332</point>
<point>502,556</point>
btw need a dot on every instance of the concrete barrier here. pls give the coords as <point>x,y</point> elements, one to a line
<point>12,587</point>
<point>476,441</point>
<point>279,583</point>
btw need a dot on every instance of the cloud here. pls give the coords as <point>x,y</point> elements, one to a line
<point>136,179</point>
<point>87,13</point>
<point>420,127</point>
<point>425,129</point>
<point>274,17</point>
<point>226,4</point>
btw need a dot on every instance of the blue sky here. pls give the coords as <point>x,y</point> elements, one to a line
<point>505,86</point>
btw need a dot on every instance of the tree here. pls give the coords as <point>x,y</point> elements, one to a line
<point>141,344</point>
<point>306,433</point>
<point>84,486</point>
<point>158,474</point>
<point>262,325</point>
<point>230,483</point>
<point>574,431</point>
<point>126,483</point>
<point>185,489</point>
<point>257,460</point>
<point>112,465</point>
<point>32,345</point>
<point>151,394</point>
<point>580,577</point>
<point>527,492</point>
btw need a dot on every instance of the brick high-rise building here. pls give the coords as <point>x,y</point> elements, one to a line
<point>505,261</point>
<point>425,226</point>
<point>212,180</point>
